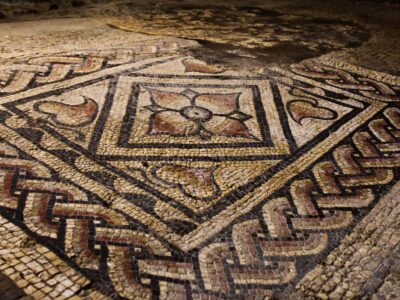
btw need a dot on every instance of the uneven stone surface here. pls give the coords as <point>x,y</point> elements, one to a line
<point>179,151</point>
<point>365,264</point>
<point>256,33</point>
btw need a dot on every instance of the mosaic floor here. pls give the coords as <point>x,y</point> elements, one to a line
<point>143,173</point>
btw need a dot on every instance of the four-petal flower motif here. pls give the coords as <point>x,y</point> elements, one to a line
<point>193,114</point>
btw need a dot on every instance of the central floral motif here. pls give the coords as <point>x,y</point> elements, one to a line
<point>194,114</point>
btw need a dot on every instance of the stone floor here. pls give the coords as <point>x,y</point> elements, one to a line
<point>188,151</point>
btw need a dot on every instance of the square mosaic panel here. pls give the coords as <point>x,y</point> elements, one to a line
<point>160,175</point>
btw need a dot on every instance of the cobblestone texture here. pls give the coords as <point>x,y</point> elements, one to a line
<point>364,265</point>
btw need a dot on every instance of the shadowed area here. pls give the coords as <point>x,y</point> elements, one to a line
<point>10,291</point>
<point>234,32</point>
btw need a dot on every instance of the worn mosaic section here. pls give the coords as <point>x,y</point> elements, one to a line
<point>32,72</point>
<point>34,268</point>
<point>366,262</point>
<point>164,177</point>
<point>250,31</point>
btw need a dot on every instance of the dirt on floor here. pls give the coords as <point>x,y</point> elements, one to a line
<point>244,34</point>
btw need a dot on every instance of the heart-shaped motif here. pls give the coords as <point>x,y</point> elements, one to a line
<point>194,65</point>
<point>69,115</point>
<point>196,183</point>
<point>303,109</point>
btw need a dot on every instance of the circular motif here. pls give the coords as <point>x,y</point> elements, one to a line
<point>196,113</point>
